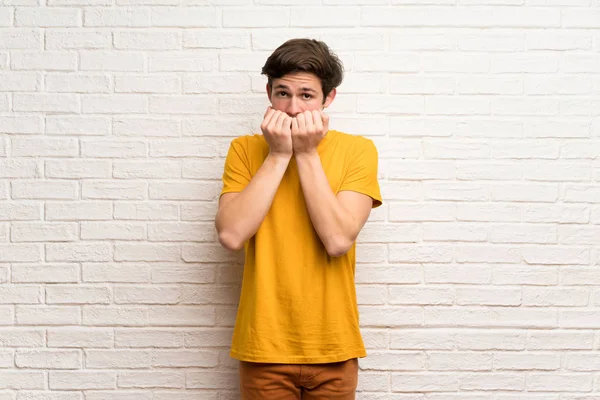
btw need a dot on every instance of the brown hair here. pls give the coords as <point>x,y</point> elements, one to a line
<point>305,55</point>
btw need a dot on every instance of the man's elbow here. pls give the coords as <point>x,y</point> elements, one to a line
<point>230,241</point>
<point>339,246</point>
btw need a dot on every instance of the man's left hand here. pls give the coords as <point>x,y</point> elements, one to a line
<point>308,129</point>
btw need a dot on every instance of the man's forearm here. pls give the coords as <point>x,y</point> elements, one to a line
<point>332,222</point>
<point>239,219</point>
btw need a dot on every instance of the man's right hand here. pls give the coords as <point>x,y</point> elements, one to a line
<point>277,129</point>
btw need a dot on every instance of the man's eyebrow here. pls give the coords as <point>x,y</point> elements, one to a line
<point>304,89</point>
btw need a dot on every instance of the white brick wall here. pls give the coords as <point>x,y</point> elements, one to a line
<point>479,278</point>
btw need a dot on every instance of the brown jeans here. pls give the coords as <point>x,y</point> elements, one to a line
<point>331,381</point>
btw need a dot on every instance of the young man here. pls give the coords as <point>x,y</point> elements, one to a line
<point>296,198</point>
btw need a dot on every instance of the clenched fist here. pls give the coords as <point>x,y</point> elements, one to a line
<point>276,127</point>
<point>308,129</point>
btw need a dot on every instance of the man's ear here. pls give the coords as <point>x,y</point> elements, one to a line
<point>269,91</point>
<point>329,98</point>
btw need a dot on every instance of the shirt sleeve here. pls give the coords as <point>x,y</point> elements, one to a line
<point>361,175</point>
<point>236,174</point>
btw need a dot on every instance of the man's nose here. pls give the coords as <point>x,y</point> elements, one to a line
<point>293,107</point>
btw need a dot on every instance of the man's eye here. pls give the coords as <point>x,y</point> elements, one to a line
<point>307,96</point>
<point>282,94</point>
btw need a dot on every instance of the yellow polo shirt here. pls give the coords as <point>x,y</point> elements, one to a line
<point>298,304</point>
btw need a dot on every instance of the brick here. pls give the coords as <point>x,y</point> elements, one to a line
<point>559,383</point>
<point>140,40</point>
<point>421,170</point>
<point>579,319</point>
<point>47,17</point>
<point>200,211</point>
<point>556,255</point>
<point>211,380</point>
<point>118,359</point>
<point>558,40</point>
<point>491,340</point>
<point>78,252</point>
<point>77,125</point>
<point>124,395</point>
<point>146,170</point>
<point>44,147</point>
<point>488,296</point>
<point>147,84</point>
<point>209,39</point>
<point>116,17</point>
<point>147,295</point>
<point>524,63</point>
<point>22,380</point>
<point>491,42</point>
<point>110,315</point>
<point>560,340</point>
<point>82,380</point>
<point>384,316</point>
<point>69,211</point>
<point>578,107</point>
<point>47,61</point>
<point>582,193</point>
<point>43,232</point>
<point>528,275</point>
<point>394,361</point>
<point>414,40</point>
<point>20,82</point>
<point>19,168</point>
<point>459,361</point>
<point>76,337</point>
<point>54,395</point>
<point>149,127</point>
<point>526,362</point>
<point>147,252</point>
<point>185,358</point>
<point>489,84</point>
<point>212,83</point>
<point>77,169</point>
<point>20,252</point>
<point>450,150</point>
<point>325,16</point>
<point>182,316</point>
<point>77,83</point>
<point>155,338</point>
<point>509,233</point>
<point>20,38</point>
<point>20,294</point>
<point>578,234</point>
<point>420,295</point>
<point>114,149</point>
<point>48,359</point>
<point>488,253</point>
<point>257,17</point>
<point>557,213</point>
<point>201,62</point>
<point>48,315</point>
<point>582,362</point>
<point>118,103</point>
<point>483,170</point>
<point>422,212</point>
<point>78,294</point>
<point>242,62</point>
<point>546,193</point>
<point>183,274</point>
<point>78,39</point>
<point>112,231</point>
<point>145,211</point>
<point>95,60</point>
<point>22,337</point>
<point>446,105</point>
<point>121,272</point>
<point>114,190</point>
<point>21,125</point>
<point>460,191</point>
<point>494,381</point>
<point>553,128</point>
<point>374,233</point>
<point>549,297</point>
<point>188,17</point>
<point>202,169</point>
<point>453,62</point>
<point>526,149</point>
<point>424,382</point>
<point>66,103</point>
<point>376,104</point>
<point>46,273</point>
<point>581,18</point>
<point>185,232</point>
<point>454,232</point>
<point>163,104</point>
<point>183,191</point>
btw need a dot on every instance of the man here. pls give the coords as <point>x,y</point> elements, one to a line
<point>296,197</point>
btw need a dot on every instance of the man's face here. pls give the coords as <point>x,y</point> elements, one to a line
<point>298,92</point>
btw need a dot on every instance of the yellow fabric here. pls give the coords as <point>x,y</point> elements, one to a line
<point>297,304</point>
